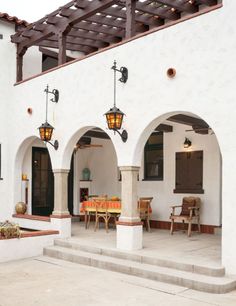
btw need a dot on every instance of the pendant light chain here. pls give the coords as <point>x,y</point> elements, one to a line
<point>46,90</point>
<point>114,83</point>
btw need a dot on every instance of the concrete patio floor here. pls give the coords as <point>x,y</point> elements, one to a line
<point>45,281</point>
<point>199,249</point>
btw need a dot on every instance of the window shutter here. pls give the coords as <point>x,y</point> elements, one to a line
<point>189,172</point>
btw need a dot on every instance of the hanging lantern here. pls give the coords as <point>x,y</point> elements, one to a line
<point>115,116</point>
<point>46,130</point>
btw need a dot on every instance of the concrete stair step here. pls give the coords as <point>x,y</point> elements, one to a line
<point>205,270</point>
<point>147,271</point>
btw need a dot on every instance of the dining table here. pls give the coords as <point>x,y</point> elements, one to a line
<point>112,207</point>
<point>88,207</point>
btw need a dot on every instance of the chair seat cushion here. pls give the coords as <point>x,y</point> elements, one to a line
<point>187,203</point>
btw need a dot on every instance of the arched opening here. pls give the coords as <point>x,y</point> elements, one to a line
<point>180,157</point>
<point>93,168</point>
<point>34,181</point>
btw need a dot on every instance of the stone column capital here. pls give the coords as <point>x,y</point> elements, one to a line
<point>129,168</point>
<point>61,170</point>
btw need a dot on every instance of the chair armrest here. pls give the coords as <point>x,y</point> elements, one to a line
<point>193,207</point>
<point>173,209</point>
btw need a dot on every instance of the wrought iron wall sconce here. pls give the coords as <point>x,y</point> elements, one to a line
<point>187,143</point>
<point>115,116</point>
<point>46,130</point>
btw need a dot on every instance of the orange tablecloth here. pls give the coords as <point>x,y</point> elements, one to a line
<point>112,206</point>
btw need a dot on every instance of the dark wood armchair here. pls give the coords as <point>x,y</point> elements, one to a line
<point>190,212</point>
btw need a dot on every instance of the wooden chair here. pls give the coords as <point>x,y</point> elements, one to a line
<point>190,212</point>
<point>92,210</point>
<point>101,212</point>
<point>144,208</point>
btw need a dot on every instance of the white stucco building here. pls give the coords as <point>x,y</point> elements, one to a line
<point>161,111</point>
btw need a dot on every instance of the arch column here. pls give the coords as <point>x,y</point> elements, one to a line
<point>129,226</point>
<point>61,217</point>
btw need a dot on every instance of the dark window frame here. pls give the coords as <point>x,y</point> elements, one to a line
<point>154,147</point>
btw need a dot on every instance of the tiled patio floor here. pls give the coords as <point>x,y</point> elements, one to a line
<point>199,249</point>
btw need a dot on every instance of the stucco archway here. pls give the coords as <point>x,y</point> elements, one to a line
<point>90,147</point>
<point>23,165</point>
<point>164,189</point>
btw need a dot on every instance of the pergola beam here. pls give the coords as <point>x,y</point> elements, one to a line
<point>81,41</point>
<point>89,25</point>
<point>180,5</point>
<point>77,16</point>
<point>130,18</point>
<point>54,54</point>
<point>73,47</point>
<point>207,2</point>
<point>162,12</point>
<point>93,36</point>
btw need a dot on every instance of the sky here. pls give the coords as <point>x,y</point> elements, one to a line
<point>30,10</point>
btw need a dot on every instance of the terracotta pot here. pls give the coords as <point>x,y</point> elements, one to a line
<point>20,208</point>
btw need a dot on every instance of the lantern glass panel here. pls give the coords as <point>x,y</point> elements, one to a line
<point>111,120</point>
<point>118,121</point>
<point>45,132</point>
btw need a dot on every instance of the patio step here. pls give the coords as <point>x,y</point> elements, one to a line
<point>144,270</point>
<point>205,270</point>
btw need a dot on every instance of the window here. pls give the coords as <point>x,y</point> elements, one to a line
<point>189,172</point>
<point>153,157</point>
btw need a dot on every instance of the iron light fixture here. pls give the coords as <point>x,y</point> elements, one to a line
<point>187,143</point>
<point>115,116</point>
<point>46,130</point>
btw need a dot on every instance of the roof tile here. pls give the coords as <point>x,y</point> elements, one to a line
<point>13,19</point>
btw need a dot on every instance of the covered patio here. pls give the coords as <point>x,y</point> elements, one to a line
<point>199,249</point>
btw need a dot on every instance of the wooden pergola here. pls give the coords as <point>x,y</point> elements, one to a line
<point>87,26</point>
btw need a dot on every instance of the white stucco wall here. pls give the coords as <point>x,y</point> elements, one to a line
<point>7,78</point>
<point>202,50</point>
<point>32,62</point>
<point>102,163</point>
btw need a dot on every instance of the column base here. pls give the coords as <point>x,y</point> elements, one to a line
<point>129,235</point>
<point>60,214</point>
<point>62,223</point>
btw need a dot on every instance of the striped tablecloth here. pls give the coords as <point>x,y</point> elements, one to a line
<point>112,206</point>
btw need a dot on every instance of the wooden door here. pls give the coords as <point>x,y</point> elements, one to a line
<point>42,183</point>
